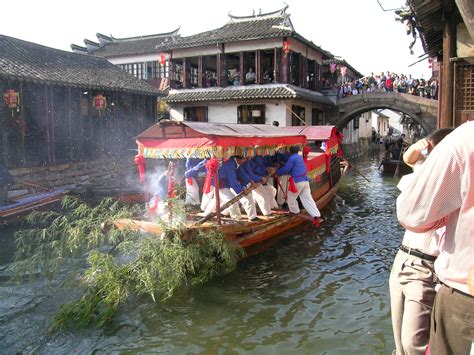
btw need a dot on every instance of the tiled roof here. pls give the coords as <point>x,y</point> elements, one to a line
<point>429,16</point>
<point>21,60</point>
<point>251,92</point>
<point>238,29</point>
<point>258,28</point>
<point>133,45</point>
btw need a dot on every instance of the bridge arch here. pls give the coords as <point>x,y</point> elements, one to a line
<point>422,110</point>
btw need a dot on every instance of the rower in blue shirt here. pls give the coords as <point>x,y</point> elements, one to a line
<point>264,194</point>
<point>295,167</point>
<point>193,167</point>
<point>229,186</point>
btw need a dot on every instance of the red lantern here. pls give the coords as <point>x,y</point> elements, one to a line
<point>162,58</point>
<point>286,47</point>
<point>99,102</point>
<point>11,98</point>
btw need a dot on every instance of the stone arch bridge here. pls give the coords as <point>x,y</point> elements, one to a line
<point>422,110</point>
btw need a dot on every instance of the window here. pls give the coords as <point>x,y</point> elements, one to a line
<point>195,114</point>
<point>135,69</point>
<point>317,117</point>
<point>161,70</point>
<point>251,114</point>
<point>194,76</point>
<point>355,123</point>
<point>177,72</point>
<point>298,115</point>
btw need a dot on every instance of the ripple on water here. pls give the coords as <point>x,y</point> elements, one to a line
<point>320,291</point>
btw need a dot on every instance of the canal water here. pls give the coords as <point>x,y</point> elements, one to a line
<point>321,291</point>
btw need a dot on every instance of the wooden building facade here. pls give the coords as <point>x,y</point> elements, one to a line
<point>60,107</point>
<point>446,28</point>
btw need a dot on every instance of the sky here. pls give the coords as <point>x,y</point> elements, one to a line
<point>360,31</point>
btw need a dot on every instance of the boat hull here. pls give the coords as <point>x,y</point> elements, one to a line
<point>24,205</point>
<point>390,166</point>
<point>253,235</point>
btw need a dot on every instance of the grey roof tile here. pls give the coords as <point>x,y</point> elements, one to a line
<point>30,61</point>
<point>265,27</point>
<point>255,92</point>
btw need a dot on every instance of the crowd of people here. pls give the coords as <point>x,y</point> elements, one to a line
<point>388,82</point>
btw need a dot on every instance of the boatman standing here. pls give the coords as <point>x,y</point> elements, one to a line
<point>229,187</point>
<point>249,174</point>
<point>298,185</point>
<point>193,167</point>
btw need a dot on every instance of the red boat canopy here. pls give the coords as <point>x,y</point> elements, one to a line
<point>328,134</point>
<point>172,139</point>
<point>317,133</point>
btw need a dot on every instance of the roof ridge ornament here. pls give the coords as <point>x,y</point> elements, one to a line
<point>173,33</point>
<point>260,15</point>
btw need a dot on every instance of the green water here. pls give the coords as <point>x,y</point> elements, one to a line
<point>321,291</point>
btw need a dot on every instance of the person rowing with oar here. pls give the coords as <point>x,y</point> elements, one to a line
<point>298,186</point>
<point>229,187</point>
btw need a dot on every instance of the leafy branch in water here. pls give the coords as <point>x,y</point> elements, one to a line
<point>145,265</point>
<point>57,239</point>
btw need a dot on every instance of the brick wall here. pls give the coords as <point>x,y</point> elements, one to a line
<point>97,175</point>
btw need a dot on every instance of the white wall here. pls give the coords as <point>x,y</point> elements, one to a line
<point>365,125</point>
<point>227,112</point>
<point>223,113</point>
<point>275,112</point>
<point>177,113</point>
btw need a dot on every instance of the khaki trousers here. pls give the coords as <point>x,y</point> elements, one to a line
<point>412,293</point>
<point>452,328</point>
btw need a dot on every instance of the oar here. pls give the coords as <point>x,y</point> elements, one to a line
<point>356,170</point>
<point>397,169</point>
<point>230,202</point>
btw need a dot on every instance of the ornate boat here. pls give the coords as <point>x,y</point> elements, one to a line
<point>178,140</point>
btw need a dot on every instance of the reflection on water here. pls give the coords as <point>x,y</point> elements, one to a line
<point>320,291</point>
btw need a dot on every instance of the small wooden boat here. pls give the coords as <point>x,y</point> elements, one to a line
<point>390,166</point>
<point>171,140</point>
<point>25,203</point>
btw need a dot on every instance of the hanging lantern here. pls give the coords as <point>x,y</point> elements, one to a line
<point>99,102</point>
<point>12,99</point>
<point>343,70</point>
<point>286,46</point>
<point>162,59</point>
<point>332,68</point>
